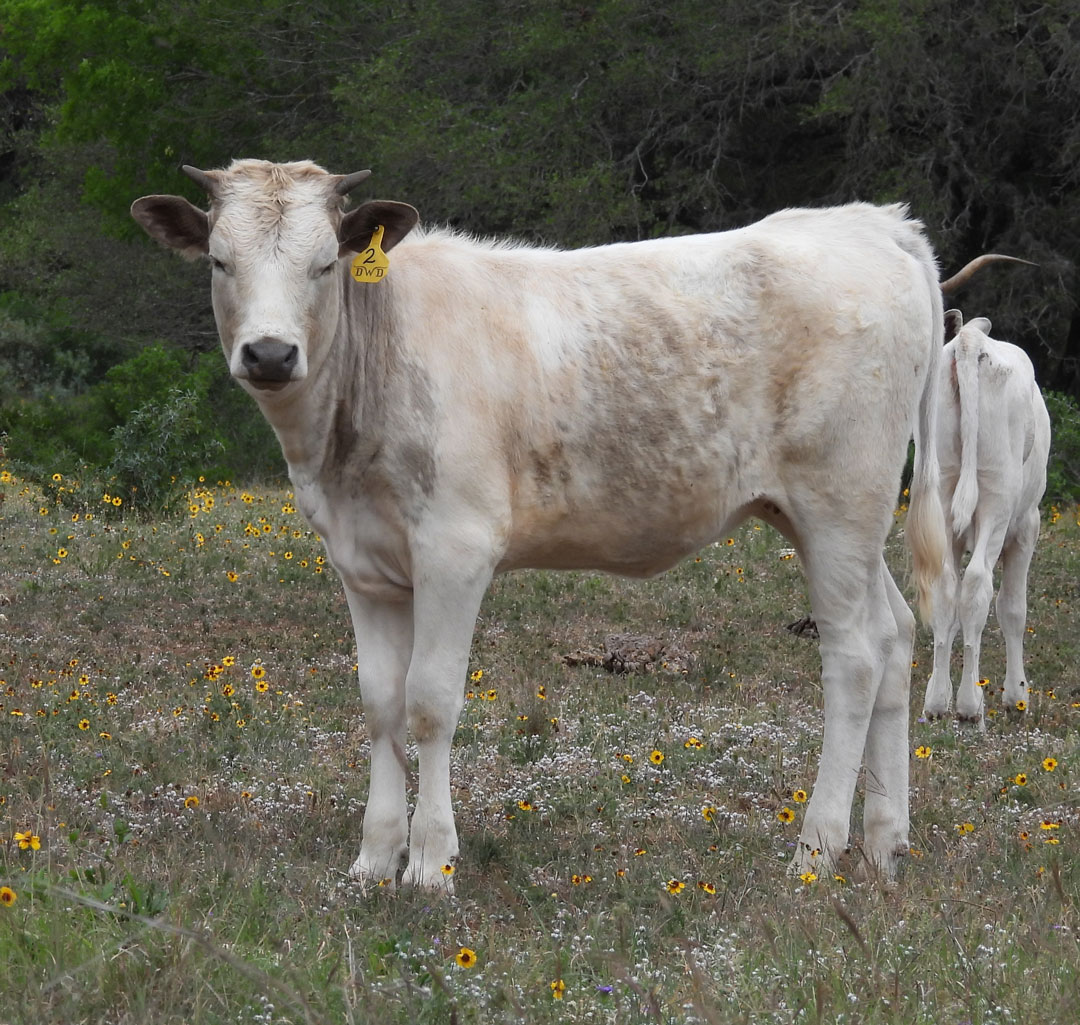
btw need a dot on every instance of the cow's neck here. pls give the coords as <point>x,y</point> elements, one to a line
<point>337,417</point>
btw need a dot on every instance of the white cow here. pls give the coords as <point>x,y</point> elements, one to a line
<point>480,407</point>
<point>993,444</point>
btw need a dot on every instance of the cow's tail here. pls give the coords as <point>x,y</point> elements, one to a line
<point>966,495</point>
<point>926,528</point>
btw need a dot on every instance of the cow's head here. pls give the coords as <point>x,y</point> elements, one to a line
<point>275,235</point>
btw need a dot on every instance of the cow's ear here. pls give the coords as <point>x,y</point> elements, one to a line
<point>981,324</point>
<point>954,321</point>
<point>358,225</point>
<point>174,222</point>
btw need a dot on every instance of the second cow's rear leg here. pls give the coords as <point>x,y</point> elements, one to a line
<point>1011,604</point>
<point>976,591</point>
<point>945,622</point>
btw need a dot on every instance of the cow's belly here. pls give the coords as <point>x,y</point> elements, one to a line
<point>639,541</point>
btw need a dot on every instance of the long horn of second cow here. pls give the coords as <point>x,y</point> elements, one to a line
<point>964,275</point>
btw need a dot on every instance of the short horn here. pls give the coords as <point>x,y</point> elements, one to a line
<point>964,275</point>
<point>201,178</point>
<point>347,182</point>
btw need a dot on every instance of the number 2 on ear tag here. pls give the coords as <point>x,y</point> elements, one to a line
<point>371,264</point>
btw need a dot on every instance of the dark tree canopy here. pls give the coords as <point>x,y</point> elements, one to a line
<point>567,122</point>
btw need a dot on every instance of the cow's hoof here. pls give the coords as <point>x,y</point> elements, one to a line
<point>375,873</point>
<point>441,880</point>
<point>879,867</point>
<point>810,860</point>
<point>967,717</point>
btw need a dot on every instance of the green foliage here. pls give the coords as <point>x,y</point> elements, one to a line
<point>44,353</point>
<point>44,436</point>
<point>1063,470</point>
<point>560,122</point>
<point>160,449</point>
<point>166,83</point>
<point>139,381</point>
<point>147,431</point>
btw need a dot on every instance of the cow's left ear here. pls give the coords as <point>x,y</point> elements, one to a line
<point>954,321</point>
<point>358,225</point>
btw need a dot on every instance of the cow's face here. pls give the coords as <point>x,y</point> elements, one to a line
<point>275,236</point>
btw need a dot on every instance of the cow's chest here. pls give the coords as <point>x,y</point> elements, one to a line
<point>366,546</point>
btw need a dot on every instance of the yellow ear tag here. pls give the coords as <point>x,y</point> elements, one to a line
<point>371,264</point>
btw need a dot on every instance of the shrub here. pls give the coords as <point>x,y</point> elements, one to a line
<point>160,450</point>
<point>1063,471</point>
<point>51,433</point>
<point>42,353</point>
<point>147,430</point>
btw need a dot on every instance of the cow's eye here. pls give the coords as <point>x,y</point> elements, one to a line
<point>328,269</point>
<point>218,265</point>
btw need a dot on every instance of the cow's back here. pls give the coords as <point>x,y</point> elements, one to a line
<point>1013,426</point>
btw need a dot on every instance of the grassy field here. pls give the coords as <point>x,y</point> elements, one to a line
<point>184,766</point>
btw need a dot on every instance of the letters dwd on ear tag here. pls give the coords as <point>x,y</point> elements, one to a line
<point>372,263</point>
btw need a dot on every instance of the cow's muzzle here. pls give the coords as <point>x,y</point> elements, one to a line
<point>268,362</point>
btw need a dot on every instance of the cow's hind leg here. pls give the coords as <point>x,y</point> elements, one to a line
<point>946,622</point>
<point>976,592</point>
<point>383,646</point>
<point>858,634</point>
<point>1011,604</point>
<point>885,813</point>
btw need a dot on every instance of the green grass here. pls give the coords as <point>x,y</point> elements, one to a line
<point>196,824</point>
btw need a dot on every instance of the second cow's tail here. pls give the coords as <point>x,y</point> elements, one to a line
<point>926,529</point>
<point>966,495</point>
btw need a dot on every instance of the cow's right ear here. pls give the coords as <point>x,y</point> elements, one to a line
<point>358,225</point>
<point>175,222</point>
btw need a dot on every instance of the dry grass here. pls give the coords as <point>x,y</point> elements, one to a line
<point>195,826</point>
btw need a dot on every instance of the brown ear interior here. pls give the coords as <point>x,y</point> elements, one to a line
<point>358,225</point>
<point>954,321</point>
<point>174,222</point>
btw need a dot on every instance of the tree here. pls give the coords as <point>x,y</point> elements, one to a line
<point>562,122</point>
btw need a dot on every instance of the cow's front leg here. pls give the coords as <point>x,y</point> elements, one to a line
<point>383,647</point>
<point>446,604</point>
